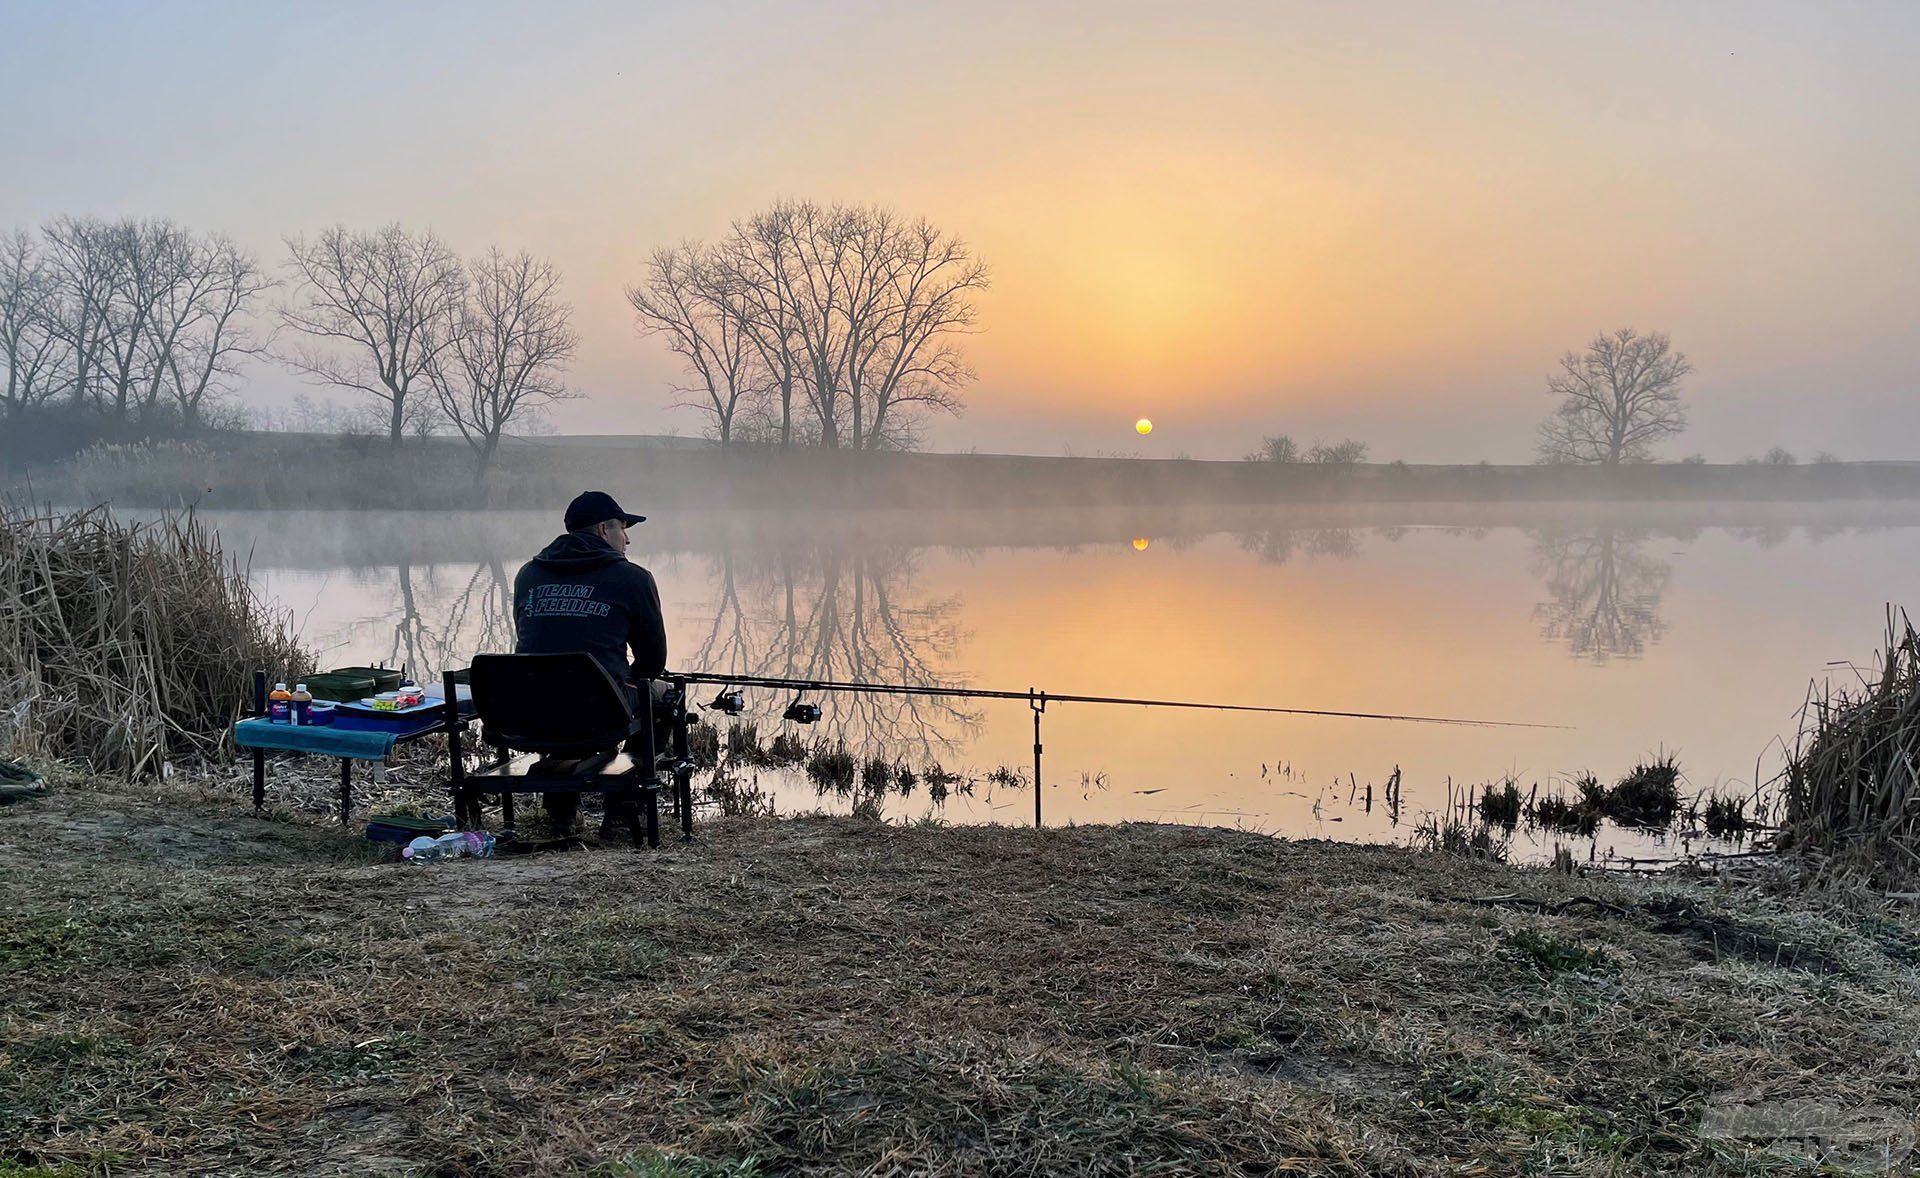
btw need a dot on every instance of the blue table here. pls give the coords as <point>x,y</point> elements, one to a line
<point>261,736</point>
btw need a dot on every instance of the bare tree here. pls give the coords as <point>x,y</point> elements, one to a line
<point>80,259</point>
<point>378,309</point>
<point>224,280</point>
<point>142,318</point>
<point>758,258</point>
<point>112,279</point>
<point>1279,448</point>
<point>1616,400</point>
<point>857,308</point>
<point>505,359</point>
<point>147,259</point>
<point>703,313</point>
<point>904,357</point>
<point>819,286</point>
<point>1350,452</point>
<point>28,344</point>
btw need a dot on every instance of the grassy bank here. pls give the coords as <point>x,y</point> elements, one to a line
<point>311,471</point>
<point>191,988</point>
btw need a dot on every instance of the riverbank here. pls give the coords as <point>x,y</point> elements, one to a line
<point>299,471</point>
<point>194,988</point>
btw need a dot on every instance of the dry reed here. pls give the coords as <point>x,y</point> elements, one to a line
<point>1852,803</point>
<point>124,645</point>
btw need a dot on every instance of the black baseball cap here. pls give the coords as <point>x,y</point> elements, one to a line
<point>595,507</point>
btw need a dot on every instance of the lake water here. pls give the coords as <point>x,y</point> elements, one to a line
<point>1690,629</point>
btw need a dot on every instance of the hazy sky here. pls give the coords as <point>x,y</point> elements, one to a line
<point>1383,220</point>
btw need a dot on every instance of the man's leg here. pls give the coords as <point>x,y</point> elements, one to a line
<point>562,809</point>
<point>621,812</point>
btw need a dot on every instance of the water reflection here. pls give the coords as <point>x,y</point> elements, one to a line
<point>439,627</point>
<point>1280,545</point>
<point>829,613</point>
<point>1443,610</point>
<point>1603,592</point>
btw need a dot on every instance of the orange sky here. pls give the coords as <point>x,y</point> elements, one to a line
<point>1383,220</point>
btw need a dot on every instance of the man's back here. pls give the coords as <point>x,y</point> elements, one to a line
<point>580,594</point>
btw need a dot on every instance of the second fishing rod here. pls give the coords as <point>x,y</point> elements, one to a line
<point>730,702</point>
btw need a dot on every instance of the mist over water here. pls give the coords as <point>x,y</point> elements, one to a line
<point>1692,629</point>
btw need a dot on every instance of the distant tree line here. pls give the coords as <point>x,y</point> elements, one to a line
<point>134,325</point>
<point>136,329</point>
<point>821,325</point>
<point>1281,448</point>
<point>393,315</point>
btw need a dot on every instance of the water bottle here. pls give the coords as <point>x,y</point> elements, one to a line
<point>452,845</point>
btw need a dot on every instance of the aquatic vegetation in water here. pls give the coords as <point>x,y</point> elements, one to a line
<point>1726,817</point>
<point>1647,796</point>
<point>1450,836</point>
<point>738,798</point>
<point>703,745</point>
<point>832,767</point>
<point>743,742</point>
<point>1579,814</point>
<point>1501,803</point>
<point>785,749</point>
<point>1006,777</point>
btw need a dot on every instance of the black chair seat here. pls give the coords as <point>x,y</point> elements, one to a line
<point>559,724</point>
<point>532,773</point>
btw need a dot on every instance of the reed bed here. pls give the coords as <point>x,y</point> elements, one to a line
<point>1852,804</point>
<point>123,646</point>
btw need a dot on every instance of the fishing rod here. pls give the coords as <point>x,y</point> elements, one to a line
<point>730,703</point>
<point>1044,697</point>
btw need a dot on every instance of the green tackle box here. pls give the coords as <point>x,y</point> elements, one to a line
<point>352,684</point>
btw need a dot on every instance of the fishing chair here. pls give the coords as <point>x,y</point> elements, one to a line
<point>557,723</point>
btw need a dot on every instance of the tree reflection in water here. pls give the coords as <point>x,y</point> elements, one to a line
<point>848,615</point>
<point>1280,545</point>
<point>821,613</point>
<point>1603,592</point>
<point>474,614</point>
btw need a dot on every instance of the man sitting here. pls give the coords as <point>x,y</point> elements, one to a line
<point>582,594</point>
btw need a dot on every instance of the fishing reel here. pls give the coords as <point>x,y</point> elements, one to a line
<point>801,713</point>
<point>729,702</point>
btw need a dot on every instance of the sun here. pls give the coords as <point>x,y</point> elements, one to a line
<point>1143,427</point>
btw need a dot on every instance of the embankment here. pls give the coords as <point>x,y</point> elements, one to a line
<point>309,471</point>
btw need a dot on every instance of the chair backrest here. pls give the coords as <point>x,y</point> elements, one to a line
<point>553,704</point>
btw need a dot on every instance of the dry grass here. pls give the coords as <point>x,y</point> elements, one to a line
<point>194,989</point>
<point>121,644</point>
<point>1851,800</point>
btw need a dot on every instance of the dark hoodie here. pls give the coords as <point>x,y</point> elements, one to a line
<point>579,594</point>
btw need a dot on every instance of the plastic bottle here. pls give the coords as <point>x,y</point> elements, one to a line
<point>280,705</point>
<point>302,701</point>
<point>451,845</point>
